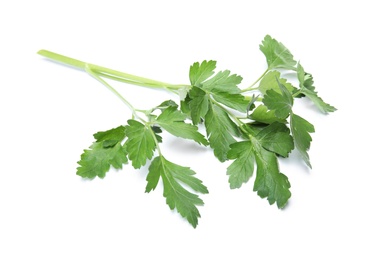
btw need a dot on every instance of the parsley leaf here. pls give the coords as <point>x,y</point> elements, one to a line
<point>140,143</point>
<point>223,82</point>
<point>201,72</point>
<point>235,101</point>
<point>242,168</point>
<point>263,115</point>
<point>205,102</point>
<point>280,102</point>
<point>307,88</point>
<point>220,130</point>
<point>172,120</point>
<point>276,138</point>
<point>199,104</point>
<point>269,81</point>
<point>173,176</point>
<point>111,137</point>
<point>223,86</point>
<point>166,104</point>
<point>300,129</point>
<point>277,55</point>
<point>269,181</point>
<point>106,151</point>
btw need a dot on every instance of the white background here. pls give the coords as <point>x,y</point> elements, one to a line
<point>48,113</point>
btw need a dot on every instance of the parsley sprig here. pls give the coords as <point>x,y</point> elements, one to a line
<point>252,127</point>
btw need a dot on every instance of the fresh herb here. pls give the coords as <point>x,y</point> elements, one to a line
<point>251,126</point>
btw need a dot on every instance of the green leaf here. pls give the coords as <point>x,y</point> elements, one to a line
<point>263,115</point>
<point>172,120</point>
<point>269,181</point>
<point>269,81</point>
<point>140,143</point>
<point>307,88</point>
<point>252,129</point>
<point>280,102</point>
<point>300,129</point>
<point>276,138</point>
<point>223,82</point>
<point>173,177</point>
<point>222,86</point>
<point>277,55</point>
<point>185,105</point>
<point>235,101</point>
<point>117,134</point>
<point>106,151</point>
<point>199,104</point>
<point>97,160</point>
<point>242,168</point>
<point>220,130</point>
<point>321,105</point>
<point>201,72</point>
<point>111,137</point>
<point>168,103</point>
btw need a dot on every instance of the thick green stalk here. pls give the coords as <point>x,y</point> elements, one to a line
<point>63,59</point>
<point>110,73</point>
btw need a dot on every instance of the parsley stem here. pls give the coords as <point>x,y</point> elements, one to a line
<point>118,75</point>
<point>128,81</point>
<point>110,73</point>
<point>136,83</point>
<point>296,93</point>
<point>63,59</point>
<point>93,74</point>
<point>251,87</point>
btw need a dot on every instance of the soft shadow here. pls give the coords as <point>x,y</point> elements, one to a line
<point>293,159</point>
<point>187,145</point>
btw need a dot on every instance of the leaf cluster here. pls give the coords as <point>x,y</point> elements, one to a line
<point>251,127</point>
<point>137,141</point>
